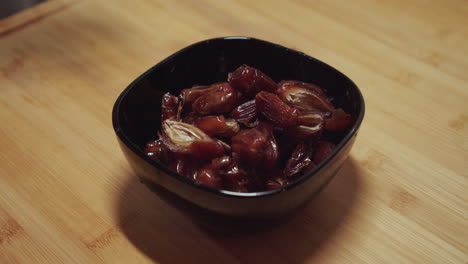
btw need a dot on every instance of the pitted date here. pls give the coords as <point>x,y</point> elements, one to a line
<point>248,134</point>
<point>303,96</point>
<point>300,160</point>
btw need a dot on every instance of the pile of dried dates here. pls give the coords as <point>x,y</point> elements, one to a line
<point>248,134</point>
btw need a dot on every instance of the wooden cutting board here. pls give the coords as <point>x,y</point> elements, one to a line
<point>67,195</point>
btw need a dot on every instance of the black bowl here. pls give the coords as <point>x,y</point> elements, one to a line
<point>136,118</point>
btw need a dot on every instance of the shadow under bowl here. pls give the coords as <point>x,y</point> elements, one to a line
<point>137,111</point>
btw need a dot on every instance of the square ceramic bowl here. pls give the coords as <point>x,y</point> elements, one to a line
<point>136,118</point>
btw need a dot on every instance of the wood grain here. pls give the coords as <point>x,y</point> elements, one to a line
<point>67,194</point>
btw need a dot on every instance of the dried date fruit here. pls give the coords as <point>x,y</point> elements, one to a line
<point>275,183</point>
<point>303,97</point>
<point>256,147</point>
<point>183,138</point>
<point>221,98</point>
<point>208,176</point>
<point>338,121</point>
<point>169,107</point>
<point>250,81</point>
<point>275,110</point>
<point>284,85</point>
<point>222,163</point>
<point>190,118</point>
<point>178,136</point>
<point>310,119</point>
<point>248,146</point>
<point>217,125</point>
<point>286,146</point>
<point>206,150</point>
<point>322,151</point>
<point>183,165</point>
<point>245,113</point>
<point>156,150</point>
<point>299,160</point>
<point>226,146</point>
<point>235,178</point>
<point>305,132</point>
<point>309,125</point>
<point>188,96</point>
<point>270,151</point>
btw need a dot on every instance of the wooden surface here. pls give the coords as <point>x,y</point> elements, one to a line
<point>67,195</point>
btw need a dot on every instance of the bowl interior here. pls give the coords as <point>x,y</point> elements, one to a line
<point>136,115</point>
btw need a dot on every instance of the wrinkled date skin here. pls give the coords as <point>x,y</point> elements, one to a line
<point>208,176</point>
<point>256,147</point>
<point>300,160</point>
<point>217,125</point>
<point>275,110</point>
<point>234,176</point>
<point>220,98</point>
<point>303,96</point>
<point>245,113</point>
<point>250,81</point>
<point>189,95</point>
<point>248,134</point>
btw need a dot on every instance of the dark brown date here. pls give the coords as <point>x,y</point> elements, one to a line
<point>300,160</point>
<point>169,107</point>
<point>304,96</point>
<point>208,176</point>
<point>245,113</point>
<point>217,125</point>
<point>206,150</point>
<point>322,151</point>
<point>250,81</point>
<point>256,147</point>
<point>310,119</point>
<point>275,110</point>
<point>284,85</point>
<point>276,182</point>
<point>189,95</point>
<point>190,118</point>
<point>183,165</point>
<point>305,132</point>
<point>248,146</point>
<point>183,138</point>
<point>235,178</point>
<point>178,136</point>
<point>221,98</point>
<point>156,150</point>
<point>270,151</point>
<point>338,121</point>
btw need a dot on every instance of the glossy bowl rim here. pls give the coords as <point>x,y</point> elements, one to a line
<point>136,150</point>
